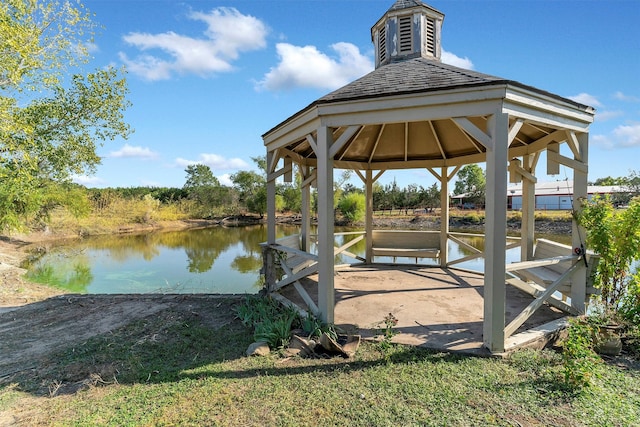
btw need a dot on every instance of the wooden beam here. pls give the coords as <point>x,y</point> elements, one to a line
<point>574,145</point>
<point>326,291</point>
<point>580,187</point>
<point>288,175</point>
<point>437,138</point>
<point>312,142</point>
<point>558,158</point>
<point>406,140</point>
<point>496,235</point>
<point>434,173</point>
<point>475,132</point>
<point>273,160</point>
<point>310,178</point>
<point>515,128</point>
<point>375,145</point>
<point>537,303</point>
<point>294,156</point>
<point>344,138</point>
<point>277,174</point>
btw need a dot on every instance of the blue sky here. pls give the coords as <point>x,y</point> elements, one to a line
<point>208,78</point>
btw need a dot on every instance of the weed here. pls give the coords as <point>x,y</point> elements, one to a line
<point>387,333</point>
<point>579,359</point>
<point>314,327</point>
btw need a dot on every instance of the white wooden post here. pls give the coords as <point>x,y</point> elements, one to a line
<point>271,205</point>
<point>580,193</point>
<point>305,207</point>
<point>495,233</point>
<point>444,217</point>
<point>527,229</point>
<point>368,219</point>
<point>326,296</point>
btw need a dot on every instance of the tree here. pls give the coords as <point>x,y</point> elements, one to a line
<point>432,197</point>
<point>51,116</point>
<point>203,187</point>
<point>472,182</point>
<point>251,187</point>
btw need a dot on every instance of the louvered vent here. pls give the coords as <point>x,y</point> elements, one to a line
<point>382,48</point>
<point>406,41</point>
<point>431,36</point>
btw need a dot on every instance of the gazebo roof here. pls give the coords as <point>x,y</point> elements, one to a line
<point>419,75</point>
<point>414,111</point>
<point>396,130</point>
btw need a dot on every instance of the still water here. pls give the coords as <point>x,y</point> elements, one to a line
<point>210,260</point>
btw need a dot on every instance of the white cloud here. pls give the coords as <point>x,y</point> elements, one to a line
<point>628,135</point>
<point>215,162</point>
<point>602,140</point>
<point>622,97</point>
<point>308,67</point>
<point>622,136</point>
<point>602,116</point>
<point>225,179</point>
<point>129,151</point>
<point>227,34</point>
<point>586,99</point>
<point>88,180</point>
<point>452,59</point>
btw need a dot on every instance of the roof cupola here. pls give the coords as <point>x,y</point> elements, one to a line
<point>409,29</point>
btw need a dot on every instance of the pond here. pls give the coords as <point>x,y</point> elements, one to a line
<point>210,260</point>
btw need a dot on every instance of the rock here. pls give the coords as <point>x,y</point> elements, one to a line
<point>299,346</point>
<point>259,348</point>
<point>346,345</point>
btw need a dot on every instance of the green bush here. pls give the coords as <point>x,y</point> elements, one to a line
<point>615,235</point>
<point>352,207</point>
<point>579,359</point>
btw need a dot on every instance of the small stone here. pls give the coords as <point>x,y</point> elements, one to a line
<point>259,348</point>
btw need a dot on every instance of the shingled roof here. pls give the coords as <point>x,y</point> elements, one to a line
<point>417,75</point>
<point>409,76</point>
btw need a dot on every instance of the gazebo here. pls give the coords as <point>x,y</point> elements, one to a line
<point>414,111</point>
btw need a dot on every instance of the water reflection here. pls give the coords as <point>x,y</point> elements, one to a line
<point>211,260</point>
<point>218,259</point>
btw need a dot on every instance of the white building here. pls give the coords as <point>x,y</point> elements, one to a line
<point>556,195</point>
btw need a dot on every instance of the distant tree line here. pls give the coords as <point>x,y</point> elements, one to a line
<point>203,196</point>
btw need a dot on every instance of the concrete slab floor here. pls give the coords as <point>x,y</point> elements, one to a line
<point>436,308</point>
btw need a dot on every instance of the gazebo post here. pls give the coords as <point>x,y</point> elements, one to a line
<point>495,233</point>
<point>305,207</point>
<point>527,229</point>
<point>580,193</point>
<point>444,217</point>
<point>368,219</point>
<point>271,203</point>
<point>326,297</point>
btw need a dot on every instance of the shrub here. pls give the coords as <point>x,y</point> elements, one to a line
<point>615,236</point>
<point>352,207</point>
<point>578,356</point>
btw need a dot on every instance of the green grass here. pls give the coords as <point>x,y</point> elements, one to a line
<point>174,369</point>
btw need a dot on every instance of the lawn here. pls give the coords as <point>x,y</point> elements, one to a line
<point>176,367</point>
